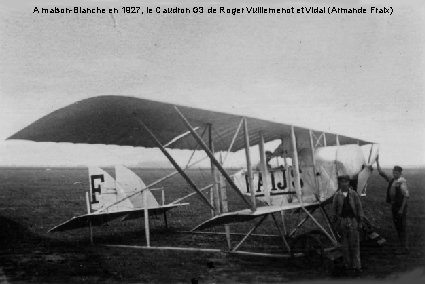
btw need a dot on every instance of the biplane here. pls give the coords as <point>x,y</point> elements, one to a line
<point>109,199</point>
<point>308,179</point>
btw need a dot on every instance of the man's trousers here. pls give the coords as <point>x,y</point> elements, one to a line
<point>348,230</point>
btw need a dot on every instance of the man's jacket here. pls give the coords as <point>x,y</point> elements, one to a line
<point>354,202</point>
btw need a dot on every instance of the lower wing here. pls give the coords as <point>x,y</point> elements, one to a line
<point>247,214</point>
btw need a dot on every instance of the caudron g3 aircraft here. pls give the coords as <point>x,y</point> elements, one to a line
<point>312,159</point>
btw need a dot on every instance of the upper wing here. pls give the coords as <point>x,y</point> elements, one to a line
<point>247,215</point>
<point>114,120</point>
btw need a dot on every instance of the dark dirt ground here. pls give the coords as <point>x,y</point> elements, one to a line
<point>32,200</point>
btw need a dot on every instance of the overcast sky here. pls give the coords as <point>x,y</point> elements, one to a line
<point>357,75</point>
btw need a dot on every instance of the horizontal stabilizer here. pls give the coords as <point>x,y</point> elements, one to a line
<point>102,218</point>
<point>247,215</point>
<point>152,211</point>
<point>83,220</point>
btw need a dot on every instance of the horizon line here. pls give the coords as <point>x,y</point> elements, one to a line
<point>153,167</point>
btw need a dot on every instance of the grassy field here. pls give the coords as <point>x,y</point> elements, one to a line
<point>32,200</point>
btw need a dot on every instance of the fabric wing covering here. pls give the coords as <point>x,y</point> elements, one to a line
<point>129,183</point>
<point>115,120</point>
<point>331,162</point>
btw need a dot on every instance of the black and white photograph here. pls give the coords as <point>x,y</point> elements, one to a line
<point>212,141</point>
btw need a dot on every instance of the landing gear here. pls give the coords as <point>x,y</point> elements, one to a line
<point>314,246</point>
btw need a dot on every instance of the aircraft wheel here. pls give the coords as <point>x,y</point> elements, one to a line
<point>312,247</point>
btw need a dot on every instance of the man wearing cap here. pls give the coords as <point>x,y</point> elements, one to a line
<point>347,215</point>
<point>397,195</point>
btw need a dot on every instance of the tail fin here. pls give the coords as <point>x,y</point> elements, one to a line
<point>128,183</point>
<point>103,192</point>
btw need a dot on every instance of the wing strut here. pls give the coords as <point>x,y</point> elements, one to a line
<point>214,192</point>
<point>89,211</point>
<point>295,165</point>
<point>264,170</point>
<point>318,195</point>
<point>319,225</point>
<point>311,140</point>
<point>146,218</point>
<point>212,158</point>
<point>248,161</point>
<point>286,166</point>
<point>250,232</point>
<point>175,165</point>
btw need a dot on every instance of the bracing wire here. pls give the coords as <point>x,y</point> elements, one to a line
<point>196,147</point>
<point>233,141</point>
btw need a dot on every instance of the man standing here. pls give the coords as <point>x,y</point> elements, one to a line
<point>347,215</point>
<point>397,195</point>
